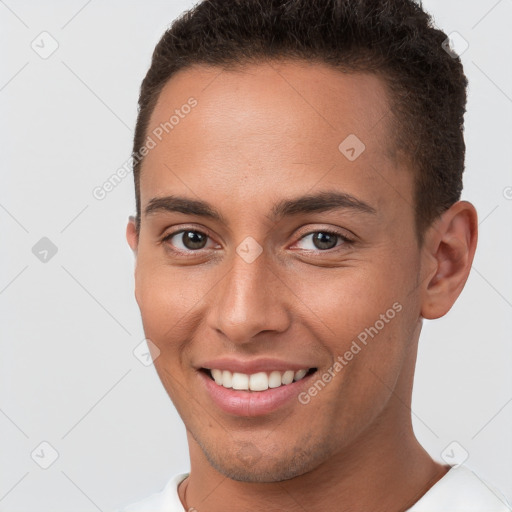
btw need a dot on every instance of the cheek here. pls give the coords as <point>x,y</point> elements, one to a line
<point>158,297</point>
<point>170,300</point>
<point>351,300</point>
<point>369,312</point>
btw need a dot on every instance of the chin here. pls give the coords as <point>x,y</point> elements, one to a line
<point>244,462</point>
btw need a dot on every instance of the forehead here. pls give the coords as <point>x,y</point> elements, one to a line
<point>279,124</point>
<point>279,96</point>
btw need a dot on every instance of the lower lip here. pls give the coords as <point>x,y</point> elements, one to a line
<point>252,403</point>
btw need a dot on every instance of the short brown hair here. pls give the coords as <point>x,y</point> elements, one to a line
<point>392,38</point>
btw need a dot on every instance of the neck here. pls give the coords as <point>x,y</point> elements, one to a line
<point>371,475</point>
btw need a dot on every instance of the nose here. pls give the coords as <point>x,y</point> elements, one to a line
<point>251,298</point>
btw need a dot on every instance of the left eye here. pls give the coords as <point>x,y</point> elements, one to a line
<point>324,240</point>
<point>189,239</point>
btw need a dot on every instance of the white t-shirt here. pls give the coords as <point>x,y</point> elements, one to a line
<point>460,490</point>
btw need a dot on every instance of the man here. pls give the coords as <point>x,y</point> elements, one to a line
<point>298,168</point>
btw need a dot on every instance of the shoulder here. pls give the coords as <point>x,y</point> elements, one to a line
<point>462,490</point>
<point>166,500</point>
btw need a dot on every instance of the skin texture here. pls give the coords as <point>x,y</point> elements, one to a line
<point>267,132</point>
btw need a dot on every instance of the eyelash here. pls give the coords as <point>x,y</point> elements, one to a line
<point>344,239</point>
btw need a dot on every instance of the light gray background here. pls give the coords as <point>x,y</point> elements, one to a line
<point>69,325</point>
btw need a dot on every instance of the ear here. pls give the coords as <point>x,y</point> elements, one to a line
<point>132,236</point>
<point>449,248</point>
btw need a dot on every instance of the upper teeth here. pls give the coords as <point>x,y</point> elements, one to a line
<point>257,381</point>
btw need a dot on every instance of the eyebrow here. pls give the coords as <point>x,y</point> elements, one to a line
<point>311,203</point>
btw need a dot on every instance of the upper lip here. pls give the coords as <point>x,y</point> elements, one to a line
<point>254,365</point>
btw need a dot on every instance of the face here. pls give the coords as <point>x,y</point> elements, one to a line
<point>244,279</point>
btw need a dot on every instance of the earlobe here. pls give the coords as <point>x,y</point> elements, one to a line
<point>132,236</point>
<point>450,245</point>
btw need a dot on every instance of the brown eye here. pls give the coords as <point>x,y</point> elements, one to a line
<point>324,240</point>
<point>187,240</point>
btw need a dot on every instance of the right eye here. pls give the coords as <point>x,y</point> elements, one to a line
<point>186,240</point>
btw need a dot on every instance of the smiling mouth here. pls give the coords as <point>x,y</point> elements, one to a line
<point>261,381</point>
